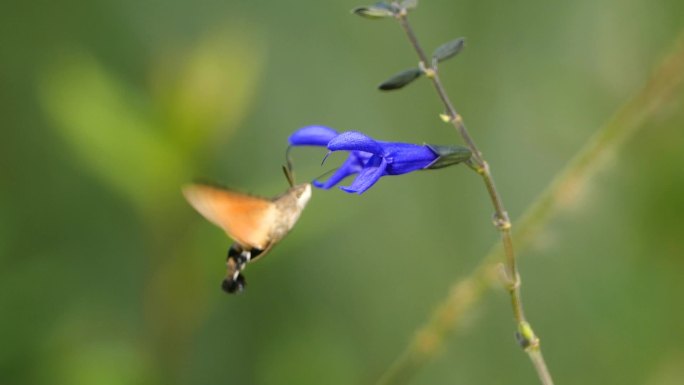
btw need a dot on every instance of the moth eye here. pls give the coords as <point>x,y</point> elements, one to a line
<point>232,286</point>
<point>255,252</point>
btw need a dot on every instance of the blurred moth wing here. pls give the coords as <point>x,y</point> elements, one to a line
<point>246,219</point>
<point>254,223</point>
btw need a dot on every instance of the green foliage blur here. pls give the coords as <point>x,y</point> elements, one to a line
<point>107,276</point>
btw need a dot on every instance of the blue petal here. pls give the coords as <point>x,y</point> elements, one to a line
<point>354,141</point>
<point>341,173</point>
<point>352,165</point>
<point>405,157</point>
<point>312,136</point>
<point>372,171</point>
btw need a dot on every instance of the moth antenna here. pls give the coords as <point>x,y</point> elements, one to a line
<point>288,168</point>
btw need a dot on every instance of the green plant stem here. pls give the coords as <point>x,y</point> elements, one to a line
<point>528,339</point>
<point>563,191</point>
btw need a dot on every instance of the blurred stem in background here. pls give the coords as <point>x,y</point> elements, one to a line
<point>651,100</point>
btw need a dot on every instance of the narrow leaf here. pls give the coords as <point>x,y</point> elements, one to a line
<point>449,50</point>
<point>401,79</point>
<point>375,11</point>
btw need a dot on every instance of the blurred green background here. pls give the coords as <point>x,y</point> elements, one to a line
<point>107,276</point>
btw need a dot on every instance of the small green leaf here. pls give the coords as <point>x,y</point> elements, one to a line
<point>449,50</point>
<point>448,155</point>
<point>376,11</point>
<point>401,79</point>
<point>409,4</point>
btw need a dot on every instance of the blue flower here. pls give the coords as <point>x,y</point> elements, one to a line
<point>372,159</point>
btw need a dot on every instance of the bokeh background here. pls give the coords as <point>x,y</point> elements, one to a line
<point>107,276</point>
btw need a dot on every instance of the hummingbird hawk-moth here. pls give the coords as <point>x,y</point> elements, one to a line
<point>255,224</point>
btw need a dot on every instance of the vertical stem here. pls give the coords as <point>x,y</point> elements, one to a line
<point>527,338</point>
<point>540,366</point>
